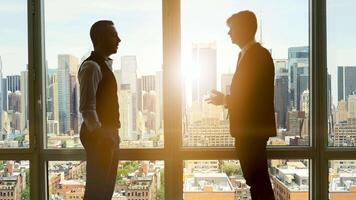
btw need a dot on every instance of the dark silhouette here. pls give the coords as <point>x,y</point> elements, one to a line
<point>100,109</point>
<point>250,104</point>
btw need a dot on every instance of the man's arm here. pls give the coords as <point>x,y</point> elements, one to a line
<point>89,77</point>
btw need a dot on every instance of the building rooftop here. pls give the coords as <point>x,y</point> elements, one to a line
<point>208,182</point>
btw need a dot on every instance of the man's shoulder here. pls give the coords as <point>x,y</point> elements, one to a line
<point>89,65</point>
<point>258,48</point>
<point>259,53</point>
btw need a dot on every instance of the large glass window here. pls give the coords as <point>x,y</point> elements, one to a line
<point>342,179</point>
<point>223,179</point>
<point>135,180</point>
<point>341,76</point>
<point>137,67</point>
<point>14,179</point>
<point>209,62</point>
<point>14,126</point>
<point>53,36</point>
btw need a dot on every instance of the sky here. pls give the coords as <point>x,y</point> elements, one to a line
<point>284,23</point>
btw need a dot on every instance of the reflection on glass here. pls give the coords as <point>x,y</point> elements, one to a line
<point>342,179</point>
<point>209,62</point>
<point>341,65</point>
<point>223,180</point>
<point>14,180</point>
<point>137,67</point>
<point>14,130</point>
<point>135,180</point>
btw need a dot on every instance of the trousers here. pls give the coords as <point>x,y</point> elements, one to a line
<point>101,147</point>
<point>252,155</point>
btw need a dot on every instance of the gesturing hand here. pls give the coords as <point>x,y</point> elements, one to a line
<point>216,98</point>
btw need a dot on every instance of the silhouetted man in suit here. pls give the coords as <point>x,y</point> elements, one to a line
<point>250,104</point>
<point>100,110</point>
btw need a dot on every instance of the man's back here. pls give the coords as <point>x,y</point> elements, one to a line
<point>251,107</point>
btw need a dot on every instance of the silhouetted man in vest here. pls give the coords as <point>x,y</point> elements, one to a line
<point>100,110</point>
<point>250,104</point>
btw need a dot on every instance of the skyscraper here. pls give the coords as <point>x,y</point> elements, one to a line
<point>24,100</point>
<point>205,62</point>
<point>351,106</point>
<point>4,94</point>
<point>346,81</point>
<point>298,67</point>
<point>125,100</point>
<point>281,97</point>
<point>151,101</point>
<point>13,83</point>
<point>129,76</point>
<point>67,67</point>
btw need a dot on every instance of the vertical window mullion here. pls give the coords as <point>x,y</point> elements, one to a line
<point>36,99</point>
<point>172,92</point>
<point>319,102</point>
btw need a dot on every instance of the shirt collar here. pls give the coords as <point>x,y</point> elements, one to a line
<point>109,62</point>
<point>247,46</point>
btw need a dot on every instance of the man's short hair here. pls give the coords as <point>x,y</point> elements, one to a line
<point>244,19</point>
<point>98,29</point>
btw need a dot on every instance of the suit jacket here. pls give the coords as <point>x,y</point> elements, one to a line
<point>251,100</point>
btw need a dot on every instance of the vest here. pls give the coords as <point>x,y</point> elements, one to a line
<point>107,104</point>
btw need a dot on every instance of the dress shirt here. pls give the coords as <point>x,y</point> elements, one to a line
<point>89,77</point>
<point>244,49</point>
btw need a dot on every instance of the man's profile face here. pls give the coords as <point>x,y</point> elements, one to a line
<point>111,40</point>
<point>239,34</point>
<point>234,34</point>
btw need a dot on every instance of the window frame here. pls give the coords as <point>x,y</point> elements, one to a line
<point>173,154</point>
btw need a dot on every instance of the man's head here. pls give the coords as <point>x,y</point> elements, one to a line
<point>243,27</point>
<point>104,36</point>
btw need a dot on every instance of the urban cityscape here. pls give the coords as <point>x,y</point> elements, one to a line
<point>204,125</point>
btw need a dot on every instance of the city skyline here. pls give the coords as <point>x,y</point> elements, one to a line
<point>14,55</point>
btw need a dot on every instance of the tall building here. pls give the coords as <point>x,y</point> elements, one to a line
<point>52,95</point>
<point>281,97</point>
<point>74,103</point>
<point>24,100</point>
<point>280,66</point>
<point>129,76</point>
<point>298,67</point>
<point>304,102</point>
<point>351,106</point>
<point>346,81</point>
<point>13,83</point>
<point>205,62</point>
<point>67,67</point>
<point>125,99</point>
<point>4,94</point>
<point>148,83</point>
<point>14,99</point>
<point>295,121</point>
<point>341,112</point>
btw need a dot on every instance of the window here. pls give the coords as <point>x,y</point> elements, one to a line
<point>209,62</point>
<point>67,179</point>
<point>42,43</point>
<point>14,124</point>
<point>137,67</point>
<point>223,179</point>
<point>341,74</point>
